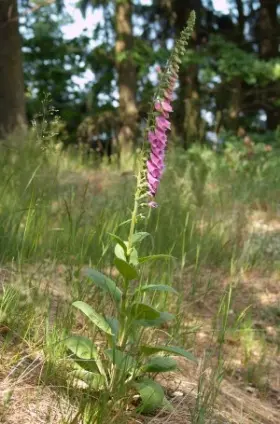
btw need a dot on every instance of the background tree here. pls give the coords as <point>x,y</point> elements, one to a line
<point>12,104</point>
<point>127,77</point>
<point>121,26</point>
<point>267,32</point>
<point>51,65</point>
<point>229,76</point>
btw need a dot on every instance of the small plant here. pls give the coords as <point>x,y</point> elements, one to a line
<point>211,371</point>
<point>126,357</point>
<point>47,125</point>
<point>198,173</point>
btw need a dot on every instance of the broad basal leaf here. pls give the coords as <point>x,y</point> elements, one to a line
<point>121,359</point>
<point>85,353</point>
<point>142,311</point>
<point>104,282</point>
<point>160,364</point>
<point>167,406</point>
<point>94,381</point>
<point>82,347</point>
<point>156,322</point>
<point>157,287</point>
<point>97,319</point>
<point>174,350</point>
<point>114,324</point>
<point>152,396</point>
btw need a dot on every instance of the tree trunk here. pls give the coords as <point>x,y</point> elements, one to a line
<point>189,93</point>
<point>127,78</point>
<point>12,104</point>
<point>189,119</point>
<point>241,21</point>
<point>267,32</point>
<point>235,104</point>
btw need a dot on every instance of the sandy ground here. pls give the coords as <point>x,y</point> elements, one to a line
<point>23,401</point>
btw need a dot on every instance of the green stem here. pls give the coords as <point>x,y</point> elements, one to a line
<point>125,300</point>
<point>134,212</point>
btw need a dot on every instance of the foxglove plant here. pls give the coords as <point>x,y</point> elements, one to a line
<point>159,123</point>
<point>124,362</point>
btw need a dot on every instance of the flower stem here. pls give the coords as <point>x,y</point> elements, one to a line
<point>135,211</point>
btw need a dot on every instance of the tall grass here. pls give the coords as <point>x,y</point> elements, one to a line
<point>53,207</point>
<point>57,209</point>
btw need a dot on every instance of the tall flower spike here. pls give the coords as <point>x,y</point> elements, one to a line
<point>159,123</point>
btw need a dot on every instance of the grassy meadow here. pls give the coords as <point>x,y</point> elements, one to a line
<point>219,219</point>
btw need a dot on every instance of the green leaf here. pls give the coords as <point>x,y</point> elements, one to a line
<point>137,238</point>
<point>119,241</point>
<point>122,360</point>
<point>152,396</point>
<point>91,365</point>
<point>157,287</point>
<point>104,282</point>
<point>82,347</point>
<point>128,271</point>
<point>178,351</point>
<point>114,324</point>
<point>166,405</point>
<point>156,322</point>
<point>85,353</point>
<point>142,311</point>
<point>160,364</point>
<point>97,319</point>
<point>120,252</point>
<point>154,257</point>
<point>133,257</point>
<point>93,380</point>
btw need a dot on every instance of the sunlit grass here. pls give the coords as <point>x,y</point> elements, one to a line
<point>56,211</point>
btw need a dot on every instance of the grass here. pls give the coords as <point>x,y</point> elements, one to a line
<point>55,215</point>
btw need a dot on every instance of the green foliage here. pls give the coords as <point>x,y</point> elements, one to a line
<point>128,271</point>
<point>161,364</point>
<point>122,360</point>
<point>94,317</point>
<point>50,62</point>
<point>233,62</point>
<point>223,64</point>
<point>27,216</point>
<point>151,350</point>
<point>152,396</point>
<point>105,283</point>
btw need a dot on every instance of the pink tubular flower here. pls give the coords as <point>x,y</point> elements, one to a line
<point>159,123</point>
<point>163,106</point>
<point>162,123</point>
<point>158,69</point>
<point>158,141</point>
<point>152,204</point>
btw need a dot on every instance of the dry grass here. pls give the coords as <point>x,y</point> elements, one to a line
<point>238,402</point>
<point>26,399</point>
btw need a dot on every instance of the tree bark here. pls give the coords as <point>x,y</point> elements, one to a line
<point>127,77</point>
<point>267,32</point>
<point>189,119</point>
<point>235,104</point>
<point>12,103</point>
<point>241,20</point>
